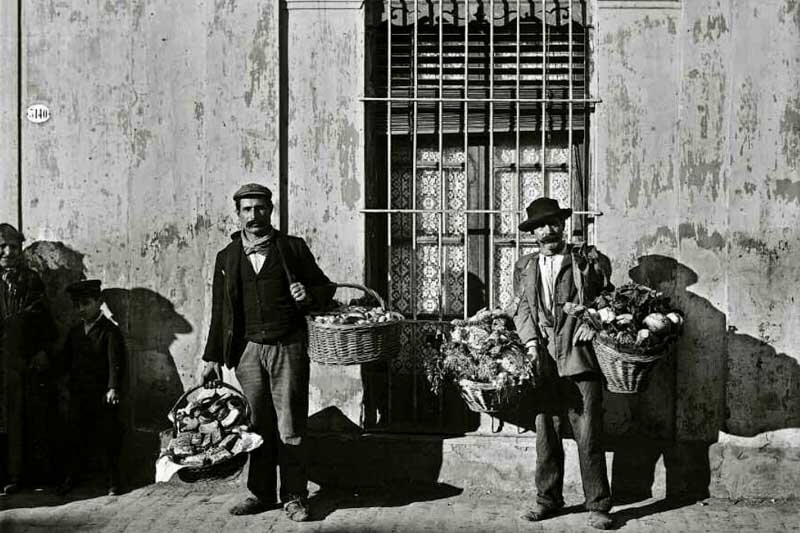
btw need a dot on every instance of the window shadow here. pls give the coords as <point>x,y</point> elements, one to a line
<point>355,469</point>
<point>347,457</point>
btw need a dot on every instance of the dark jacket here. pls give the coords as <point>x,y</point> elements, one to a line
<point>95,361</point>
<point>594,271</point>
<point>226,340</point>
<point>26,325</point>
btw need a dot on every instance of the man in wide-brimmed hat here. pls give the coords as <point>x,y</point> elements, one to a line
<point>569,377</point>
<point>264,282</point>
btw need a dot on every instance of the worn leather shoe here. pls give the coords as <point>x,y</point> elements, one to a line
<point>251,505</point>
<point>540,512</point>
<point>297,509</point>
<point>600,520</point>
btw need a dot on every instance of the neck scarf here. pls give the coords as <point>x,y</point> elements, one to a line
<point>259,245</point>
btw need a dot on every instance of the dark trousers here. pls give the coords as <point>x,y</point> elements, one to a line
<point>95,429</point>
<point>579,399</point>
<point>274,379</point>
<point>584,412</point>
<point>15,423</point>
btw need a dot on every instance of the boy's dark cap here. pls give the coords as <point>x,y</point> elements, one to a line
<point>252,190</point>
<point>88,287</point>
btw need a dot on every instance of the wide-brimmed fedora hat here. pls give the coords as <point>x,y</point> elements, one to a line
<point>540,210</point>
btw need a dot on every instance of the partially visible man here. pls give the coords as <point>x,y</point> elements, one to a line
<point>569,376</point>
<point>264,283</point>
<point>25,330</point>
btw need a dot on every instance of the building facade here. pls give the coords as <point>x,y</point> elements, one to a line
<point>671,127</point>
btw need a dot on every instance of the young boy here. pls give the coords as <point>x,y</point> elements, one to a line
<point>94,359</point>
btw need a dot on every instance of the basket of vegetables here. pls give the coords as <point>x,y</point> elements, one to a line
<point>635,326</point>
<point>211,435</point>
<point>354,334</point>
<point>487,360</point>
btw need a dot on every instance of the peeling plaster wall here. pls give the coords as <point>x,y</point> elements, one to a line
<point>763,388</point>
<point>697,156</point>
<point>8,112</point>
<point>160,111</point>
<point>326,148</point>
<point>326,168</point>
<point>635,145</point>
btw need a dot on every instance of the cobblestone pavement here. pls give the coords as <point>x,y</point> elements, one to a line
<point>203,507</point>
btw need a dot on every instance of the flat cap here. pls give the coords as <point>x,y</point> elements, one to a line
<point>87,287</point>
<point>252,190</point>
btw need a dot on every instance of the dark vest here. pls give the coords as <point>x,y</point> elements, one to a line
<point>269,310</point>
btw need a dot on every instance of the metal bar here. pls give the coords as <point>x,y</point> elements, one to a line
<point>389,157</point>
<point>20,123</point>
<point>389,196</point>
<point>468,211</point>
<point>491,153</point>
<point>423,321</point>
<point>543,155</point>
<point>481,100</point>
<point>569,121</point>
<point>466,153</point>
<point>442,187</point>
<point>414,216</point>
<point>587,132</point>
<point>517,177</point>
<point>512,166</point>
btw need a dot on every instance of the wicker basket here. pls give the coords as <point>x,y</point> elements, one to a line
<point>352,344</point>
<point>626,368</point>
<point>484,397</point>
<point>221,469</point>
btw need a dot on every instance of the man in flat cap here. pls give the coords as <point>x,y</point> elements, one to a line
<point>264,283</point>
<point>94,359</point>
<point>26,328</point>
<point>569,376</point>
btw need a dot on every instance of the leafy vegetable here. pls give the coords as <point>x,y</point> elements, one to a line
<point>632,314</point>
<point>485,349</point>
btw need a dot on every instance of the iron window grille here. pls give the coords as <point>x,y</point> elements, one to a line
<point>474,108</point>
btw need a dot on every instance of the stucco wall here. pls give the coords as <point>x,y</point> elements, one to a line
<point>325,62</point>
<point>697,156</point>
<point>160,110</point>
<point>9,150</point>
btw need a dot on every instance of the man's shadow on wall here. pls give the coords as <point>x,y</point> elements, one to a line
<point>150,324</point>
<point>759,388</point>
